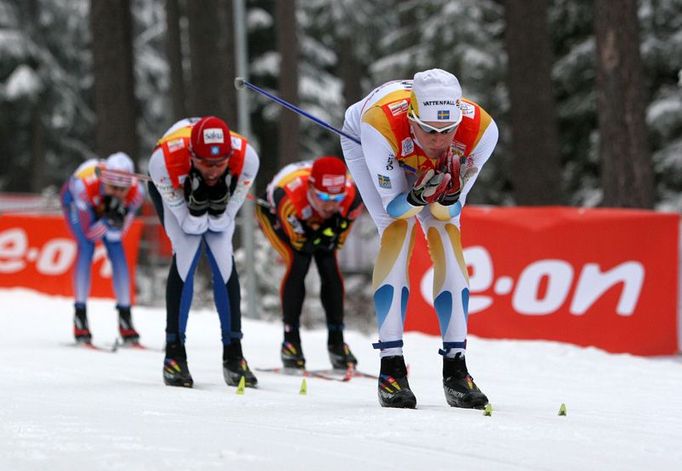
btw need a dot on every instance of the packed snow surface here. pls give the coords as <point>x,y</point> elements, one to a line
<point>67,408</point>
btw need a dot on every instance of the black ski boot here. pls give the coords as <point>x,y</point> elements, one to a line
<point>292,356</point>
<point>394,390</point>
<point>129,335</point>
<point>460,389</point>
<point>81,330</point>
<point>175,370</point>
<point>341,357</point>
<point>235,366</point>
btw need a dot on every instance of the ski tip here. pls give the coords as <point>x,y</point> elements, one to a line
<point>562,409</point>
<point>488,410</point>
<point>239,83</point>
<point>303,390</point>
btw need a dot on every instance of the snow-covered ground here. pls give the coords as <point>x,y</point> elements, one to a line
<point>66,408</point>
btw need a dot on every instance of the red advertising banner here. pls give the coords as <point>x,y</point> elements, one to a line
<point>594,277</point>
<point>39,252</point>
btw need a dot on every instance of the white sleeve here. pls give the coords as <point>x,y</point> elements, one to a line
<point>387,175</point>
<point>241,190</point>
<point>174,198</point>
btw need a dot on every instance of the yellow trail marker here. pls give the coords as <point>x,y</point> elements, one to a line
<point>304,387</point>
<point>488,411</point>
<point>241,386</point>
<point>562,409</point>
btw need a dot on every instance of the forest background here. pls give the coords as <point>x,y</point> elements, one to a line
<point>587,93</point>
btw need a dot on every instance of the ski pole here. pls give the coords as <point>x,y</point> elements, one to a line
<point>258,201</point>
<point>122,173</point>
<point>240,83</point>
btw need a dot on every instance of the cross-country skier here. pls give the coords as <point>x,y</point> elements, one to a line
<point>201,173</point>
<point>422,147</point>
<point>99,203</point>
<point>312,206</point>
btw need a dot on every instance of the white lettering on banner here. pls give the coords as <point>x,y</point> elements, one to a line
<point>557,276</point>
<point>13,245</point>
<point>54,258</point>
<point>593,283</point>
<point>481,277</point>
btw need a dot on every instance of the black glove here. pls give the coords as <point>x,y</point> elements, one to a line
<point>196,193</point>
<point>328,234</point>
<point>219,194</point>
<point>115,211</point>
<point>327,240</point>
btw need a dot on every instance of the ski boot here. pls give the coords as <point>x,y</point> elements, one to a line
<point>81,330</point>
<point>235,366</point>
<point>129,335</point>
<point>460,389</point>
<point>175,370</point>
<point>234,370</point>
<point>394,389</point>
<point>292,356</point>
<point>341,357</point>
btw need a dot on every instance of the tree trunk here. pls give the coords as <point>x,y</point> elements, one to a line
<point>227,20</point>
<point>212,57</point>
<point>37,164</point>
<point>174,56</point>
<point>536,169</point>
<point>287,45</point>
<point>627,173</point>
<point>350,71</point>
<point>112,51</point>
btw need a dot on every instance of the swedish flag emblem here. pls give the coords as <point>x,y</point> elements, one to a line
<point>443,114</point>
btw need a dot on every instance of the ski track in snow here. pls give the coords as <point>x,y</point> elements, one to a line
<point>70,408</point>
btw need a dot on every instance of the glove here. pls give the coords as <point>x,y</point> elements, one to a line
<point>428,188</point>
<point>219,194</point>
<point>451,165</point>
<point>115,211</point>
<point>196,193</point>
<point>329,240</point>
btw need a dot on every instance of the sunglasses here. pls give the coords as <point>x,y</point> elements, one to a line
<point>337,198</point>
<point>428,129</point>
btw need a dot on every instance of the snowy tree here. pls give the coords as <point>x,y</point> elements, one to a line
<point>46,120</point>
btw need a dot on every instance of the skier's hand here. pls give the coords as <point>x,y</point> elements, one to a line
<point>451,165</point>
<point>196,193</point>
<point>115,211</point>
<point>219,194</point>
<point>429,187</point>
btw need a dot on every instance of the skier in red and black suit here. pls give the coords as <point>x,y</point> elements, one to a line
<point>312,206</point>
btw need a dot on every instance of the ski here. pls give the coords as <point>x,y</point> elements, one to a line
<point>120,344</point>
<point>94,347</point>
<point>328,374</point>
<point>111,348</point>
<point>304,373</point>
